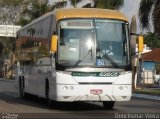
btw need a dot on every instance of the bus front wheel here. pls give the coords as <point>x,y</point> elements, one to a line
<point>49,102</point>
<point>108,104</point>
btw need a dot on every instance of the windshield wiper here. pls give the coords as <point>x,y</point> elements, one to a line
<point>108,58</point>
<point>80,60</point>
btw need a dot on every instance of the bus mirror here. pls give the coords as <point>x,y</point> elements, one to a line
<point>140,40</point>
<point>53,47</point>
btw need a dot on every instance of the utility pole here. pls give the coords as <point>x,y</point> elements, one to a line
<point>140,50</point>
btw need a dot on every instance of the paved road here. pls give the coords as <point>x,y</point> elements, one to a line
<point>13,106</point>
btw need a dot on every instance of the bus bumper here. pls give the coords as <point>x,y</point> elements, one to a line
<point>71,93</point>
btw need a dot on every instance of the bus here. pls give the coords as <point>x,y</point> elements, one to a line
<point>80,54</point>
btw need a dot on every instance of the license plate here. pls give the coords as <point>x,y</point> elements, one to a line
<point>96,91</point>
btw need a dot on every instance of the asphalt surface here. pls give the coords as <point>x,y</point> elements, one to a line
<point>12,106</point>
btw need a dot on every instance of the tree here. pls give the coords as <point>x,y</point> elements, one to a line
<point>152,40</point>
<point>22,21</point>
<point>150,9</point>
<point>63,3</point>
<point>22,12</point>
<point>18,12</point>
<point>1,48</point>
<point>75,2</point>
<point>8,45</point>
<point>36,9</point>
<point>105,4</point>
<point>10,10</point>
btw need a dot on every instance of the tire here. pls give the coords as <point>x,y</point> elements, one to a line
<point>158,83</point>
<point>47,93</point>
<point>108,104</point>
<point>47,89</point>
<point>21,86</point>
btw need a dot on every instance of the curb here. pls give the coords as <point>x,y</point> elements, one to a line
<point>4,79</point>
<point>145,96</point>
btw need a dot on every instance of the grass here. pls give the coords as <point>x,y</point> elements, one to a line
<point>148,91</point>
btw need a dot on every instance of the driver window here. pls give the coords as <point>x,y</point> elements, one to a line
<point>69,45</point>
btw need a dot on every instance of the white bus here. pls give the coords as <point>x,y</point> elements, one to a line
<point>76,55</point>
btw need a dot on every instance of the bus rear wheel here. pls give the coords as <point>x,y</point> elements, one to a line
<point>108,104</point>
<point>21,86</point>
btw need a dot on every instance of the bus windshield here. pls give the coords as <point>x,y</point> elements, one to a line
<point>93,42</point>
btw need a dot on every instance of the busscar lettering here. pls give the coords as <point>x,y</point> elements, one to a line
<point>98,74</point>
<point>108,74</point>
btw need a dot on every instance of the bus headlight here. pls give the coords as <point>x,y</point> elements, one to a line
<point>71,87</point>
<point>68,87</point>
<point>65,88</point>
<point>123,87</point>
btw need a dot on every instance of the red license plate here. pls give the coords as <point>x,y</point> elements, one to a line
<point>96,91</point>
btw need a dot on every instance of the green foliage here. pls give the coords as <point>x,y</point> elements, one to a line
<point>152,40</point>
<point>10,10</point>
<point>37,9</point>
<point>75,2</point>
<point>108,4</point>
<point>21,12</point>
<point>8,45</point>
<point>150,9</point>
<point>1,48</point>
<point>60,4</point>
<point>22,21</point>
<point>11,2</point>
<point>157,68</point>
<point>148,91</point>
<point>105,4</point>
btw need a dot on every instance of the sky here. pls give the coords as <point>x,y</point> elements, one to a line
<point>130,8</point>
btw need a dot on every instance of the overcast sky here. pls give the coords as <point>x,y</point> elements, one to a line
<point>130,8</point>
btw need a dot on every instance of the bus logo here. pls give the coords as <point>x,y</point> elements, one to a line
<point>108,74</point>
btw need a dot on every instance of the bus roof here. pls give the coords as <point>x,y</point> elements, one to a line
<point>80,13</point>
<point>89,13</point>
